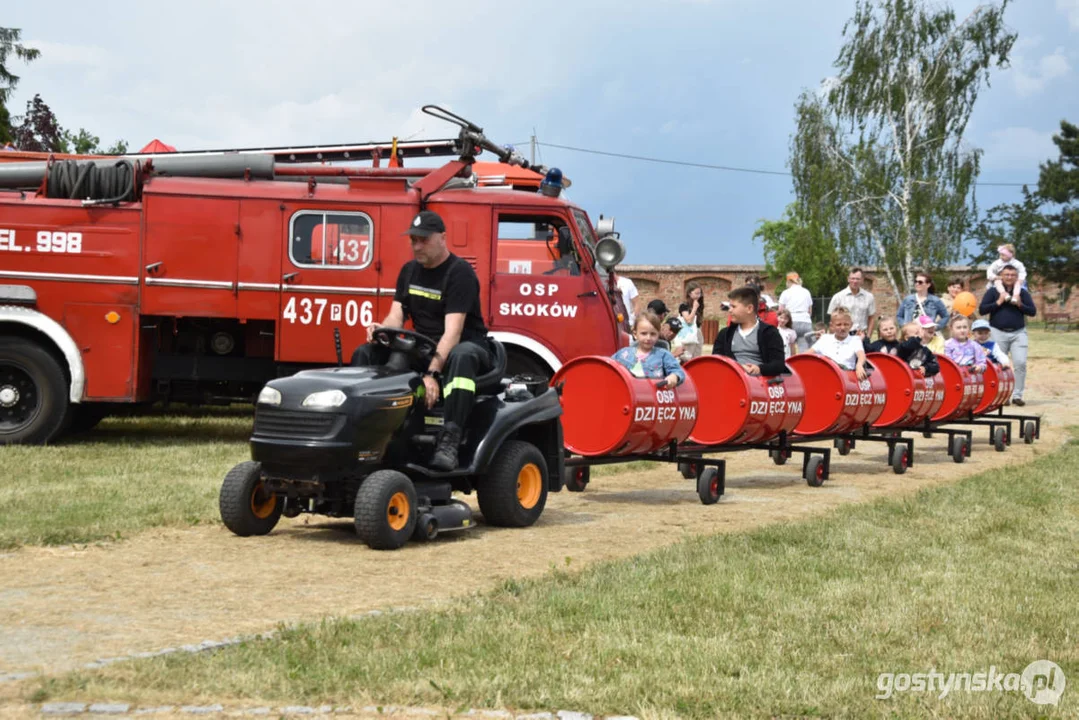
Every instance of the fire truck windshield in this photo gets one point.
(588, 234)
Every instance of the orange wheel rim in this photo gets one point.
(262, 502)
(529, 486)
(397, 511)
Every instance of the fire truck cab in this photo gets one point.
(207, 274)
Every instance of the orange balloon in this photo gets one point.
(965, 303)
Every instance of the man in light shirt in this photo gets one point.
(799, 303)
(841, 346)
(629, 296)
(858, 302)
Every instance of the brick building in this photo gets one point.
(668, 283)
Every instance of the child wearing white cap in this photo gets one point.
(981, 331)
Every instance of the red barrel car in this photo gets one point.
(606, 410)
(736, 408)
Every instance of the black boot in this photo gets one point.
(445, 455)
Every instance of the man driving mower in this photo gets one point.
(440, 292)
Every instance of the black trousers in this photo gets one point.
(467, 360)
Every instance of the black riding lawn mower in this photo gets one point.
(354, 442)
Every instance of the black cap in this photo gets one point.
(425, 223)
(658, 307)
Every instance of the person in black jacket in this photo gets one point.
(755, 345)
(1008, 324)
(913, 352)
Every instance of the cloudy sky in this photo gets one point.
(706, 81)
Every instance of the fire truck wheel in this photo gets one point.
(517, 363)
(514, 490)
(33, 393)
(385, 510)
(247, 508)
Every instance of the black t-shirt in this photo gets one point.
(428, 295)
(890, 347)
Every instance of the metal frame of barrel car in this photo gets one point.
(611, 416)
(753, 412)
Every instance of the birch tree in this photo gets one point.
(879, 157)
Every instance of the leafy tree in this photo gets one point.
(39, 130)
(85, 143)
(791, 243)
(1056, 252)
(1044, 227)
(9, 43)
(878, 158)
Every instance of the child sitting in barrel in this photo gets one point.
(842, 347)
(646, 360)
(930, 337)
(961, 349)
(914, 352)
(887, 338)
(980, 330)
(755, 345)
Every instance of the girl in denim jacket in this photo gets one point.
(645, 359)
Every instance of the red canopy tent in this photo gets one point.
(156, 146)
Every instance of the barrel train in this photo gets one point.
(611, 416)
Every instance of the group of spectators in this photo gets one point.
(759, 327)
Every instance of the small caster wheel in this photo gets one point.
(779, 457)
(709, 486)
(899, 459)
(576, 478)
(814, 472)
(843, 445)
(1028, 432)
(688, 470)
(1000, 439)
(959, 449)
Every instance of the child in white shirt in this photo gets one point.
(1007, 257)
(842, 347)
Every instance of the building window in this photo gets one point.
(331, 239)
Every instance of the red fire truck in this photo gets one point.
(197, 277)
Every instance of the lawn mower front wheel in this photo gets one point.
(385, 510)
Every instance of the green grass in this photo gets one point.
(127, 475)
(1057, 345)
(793, 620)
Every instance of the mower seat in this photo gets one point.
(490, 383)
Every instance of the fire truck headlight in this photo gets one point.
(325, 399)
(270, 396)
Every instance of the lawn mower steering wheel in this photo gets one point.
(417, 347)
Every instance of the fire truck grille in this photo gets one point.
(289, 423)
